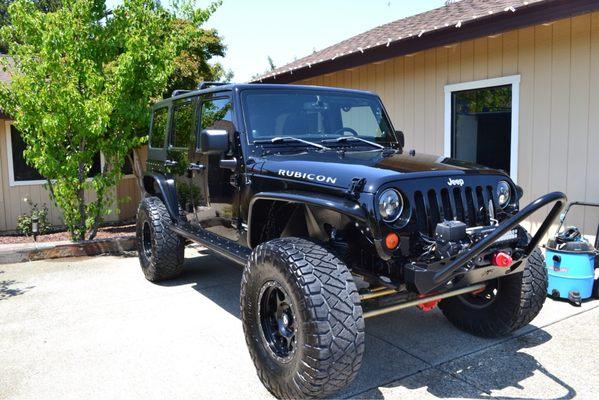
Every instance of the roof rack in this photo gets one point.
(205, 85)
(177, 92)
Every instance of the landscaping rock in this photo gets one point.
(16, 253)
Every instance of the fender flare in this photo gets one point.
(342, 205)
(157, 184)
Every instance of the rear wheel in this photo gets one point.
(302, 319)
(161, 251)
(505, 305)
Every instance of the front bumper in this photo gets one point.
(460, 270)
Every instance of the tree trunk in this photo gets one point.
(100, 199)
(81, 196)
(94, 230)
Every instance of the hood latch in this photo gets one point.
(355, 187)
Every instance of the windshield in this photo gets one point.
(315, 115)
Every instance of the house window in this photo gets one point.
(19, 172)
(481, 122)
(127, 168)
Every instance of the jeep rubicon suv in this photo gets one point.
(309, 189)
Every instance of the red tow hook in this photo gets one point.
(428, 306)
(501, 259)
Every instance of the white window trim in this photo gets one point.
(513, 80)
(34, 182)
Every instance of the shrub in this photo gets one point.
(24, 220)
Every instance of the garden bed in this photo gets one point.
(105, 232)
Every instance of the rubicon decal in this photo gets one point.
(307, 176)
(455, 182)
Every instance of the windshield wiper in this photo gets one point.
(352, 138)
(283, 139)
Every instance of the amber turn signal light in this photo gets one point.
(392, 240)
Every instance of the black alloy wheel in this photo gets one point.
(147, 240)
(277, 320)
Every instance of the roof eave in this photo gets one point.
(524, 16)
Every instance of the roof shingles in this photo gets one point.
(451, 16)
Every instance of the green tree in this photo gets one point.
(42, 5)
(192, 65)
(271, 63)
(82, 80)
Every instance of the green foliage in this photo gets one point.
(484, 100)
(42, 5)
(24, 220)
(189, 195)
(82, 81)
(271, 67)
(191, 65)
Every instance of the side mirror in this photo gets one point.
(213, 141)
(400, 138)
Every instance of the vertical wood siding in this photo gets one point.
(12, 202)
(558, 145)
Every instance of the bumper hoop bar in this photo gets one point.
(426, 280)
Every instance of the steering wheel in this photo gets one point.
(346, 129)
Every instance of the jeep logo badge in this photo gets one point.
(455, 182)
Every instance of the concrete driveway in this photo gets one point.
(95, 328)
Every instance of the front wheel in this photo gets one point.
(505, 305)
(302, 319)
(161, 251)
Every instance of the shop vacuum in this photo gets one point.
(572, 262)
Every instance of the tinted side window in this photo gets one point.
(159, 120)
(182, 128)
(217, 114)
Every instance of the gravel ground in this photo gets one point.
(103, 233)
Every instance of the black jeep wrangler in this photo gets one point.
(310, 190)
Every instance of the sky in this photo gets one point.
(285, 30)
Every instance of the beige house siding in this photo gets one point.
(12, 202)
(558, 64)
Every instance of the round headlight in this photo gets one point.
(390, 205)
(504, 193)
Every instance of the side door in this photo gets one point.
(218, 208)
(181, 143)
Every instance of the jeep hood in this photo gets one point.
(338, 169)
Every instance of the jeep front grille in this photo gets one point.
(467, 204)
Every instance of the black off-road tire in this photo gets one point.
(329, 330)
(518, 300)
(161, 251)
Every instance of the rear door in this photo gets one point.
(157, 142)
